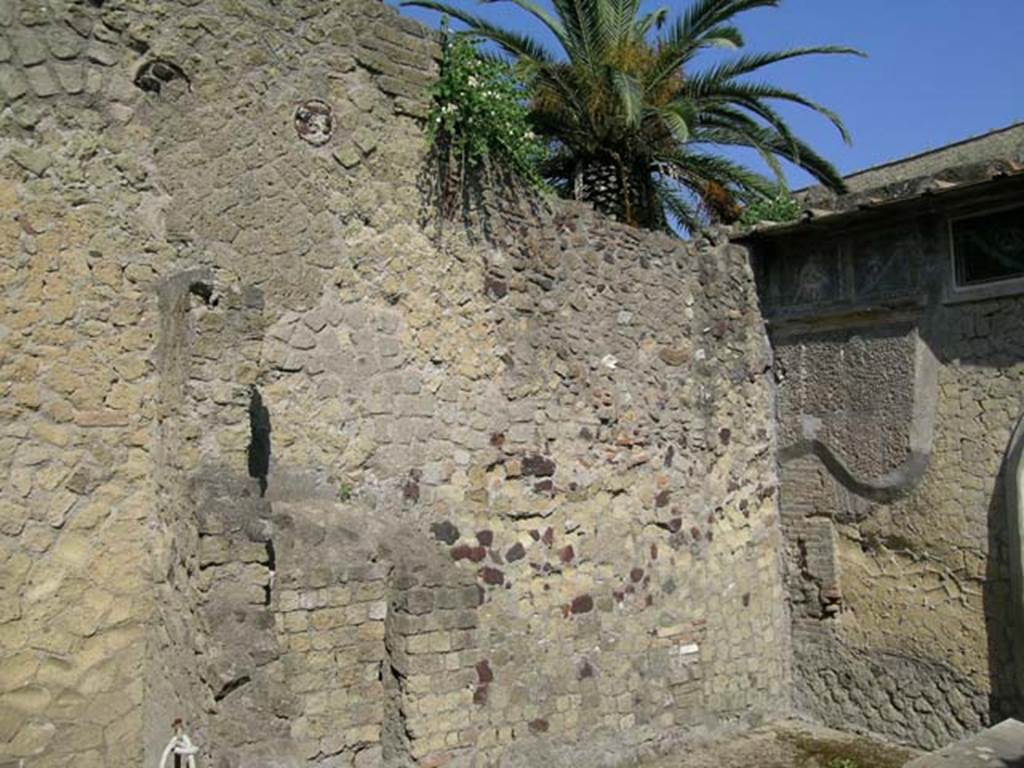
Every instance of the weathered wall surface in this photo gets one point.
(78, 395)
(896, 406)
(334, 485)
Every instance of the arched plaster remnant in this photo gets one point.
(1014, 479)
(156, 73)
(903, 478)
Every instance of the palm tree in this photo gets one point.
(634, 126)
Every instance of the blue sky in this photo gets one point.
(938, 70)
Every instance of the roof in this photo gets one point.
(949, 172)
(1001, 143)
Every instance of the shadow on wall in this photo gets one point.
(995, 599)
(258, 452)
(1001, 595)
(455, 193)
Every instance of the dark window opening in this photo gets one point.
(989, 248)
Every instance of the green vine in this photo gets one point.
(479, 111)
(782, 208)
(345, 491)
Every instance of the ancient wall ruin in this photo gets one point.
(336, 482)
(898, 395)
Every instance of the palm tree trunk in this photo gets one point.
(617, 191)
(600, 182)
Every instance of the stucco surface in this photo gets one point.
(895, 419)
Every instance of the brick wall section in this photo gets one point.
(333, 636)
(439, 675)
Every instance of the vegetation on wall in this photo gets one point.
(479, 112)
(635, 126)
(781, 209)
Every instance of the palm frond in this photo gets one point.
(582, 27)
(678, 117)
(513, 43)
(538, 12)
(732, 135)
(696, 169)
(630, 96)
(653, 20)
(754, 92)
(673, 54)
(753, 61)
(702, 15)
(679, 210)
(787, 147)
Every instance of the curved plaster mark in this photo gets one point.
(1013, 477)
(881, 490)
(904, 478)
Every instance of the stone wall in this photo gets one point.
(896, 402)
(79, 391)
(334, 481)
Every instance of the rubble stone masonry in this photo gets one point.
(334, 481)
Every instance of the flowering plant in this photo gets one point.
(782, 208)
(479, 111)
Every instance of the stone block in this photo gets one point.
(369, 757)
(28, 48)
(63, 43)
(101, 53)
(71, 76)
(12, 83)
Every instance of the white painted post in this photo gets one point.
(180, 744)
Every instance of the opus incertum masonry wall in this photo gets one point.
(336, 484)
(340, 483)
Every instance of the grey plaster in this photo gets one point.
(903, 478)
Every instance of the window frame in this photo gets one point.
(1005, 286)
